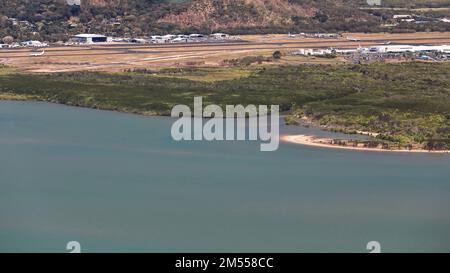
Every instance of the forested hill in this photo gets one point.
(54, 20)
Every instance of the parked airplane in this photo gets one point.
(353, 39)
(37, 54)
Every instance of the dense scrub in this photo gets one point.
(406, 103)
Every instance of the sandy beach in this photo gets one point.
(326, 143)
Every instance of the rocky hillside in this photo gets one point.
(240, 14)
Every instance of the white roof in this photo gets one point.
(391, 48)
(402, 16)
(31, 41)
(90, 36)
(73, 2)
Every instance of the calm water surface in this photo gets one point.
(118, 182)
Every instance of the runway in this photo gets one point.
(118, 56)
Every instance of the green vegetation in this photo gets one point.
(54, 20)
(406, 103)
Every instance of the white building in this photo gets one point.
(73, 2)
(382, 49)
(392, 49)
(89, 38)
(33, 44)
(181, 40)
(402, 16)
(440, 49)
(156, 39)
(374, 2)
(345, 51)
(138, 41)
(169, 37)
(196, 36)
(409, 49)
(314, 52)
(220, 36)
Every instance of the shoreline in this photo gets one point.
(313, 141)
(20, 98)
(305, 140)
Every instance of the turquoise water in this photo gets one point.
(118, 182)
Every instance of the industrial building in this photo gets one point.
(382, 49)
(409, 48)
(220, 36)
(182, 38)
(33, 44)
(89, 38)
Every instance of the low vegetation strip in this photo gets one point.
(405, 103)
